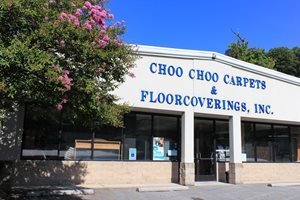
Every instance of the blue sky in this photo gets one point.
(206, 25)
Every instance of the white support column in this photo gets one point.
(235, 165)
(187, 137)
(187, 167)
(235, 139)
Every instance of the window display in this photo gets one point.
(51, 135)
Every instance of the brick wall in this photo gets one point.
(265, 172)
(87, 173)
(222, 169)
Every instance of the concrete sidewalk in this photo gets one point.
(47, 192)
(212, 192)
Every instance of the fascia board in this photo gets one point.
(209, 55)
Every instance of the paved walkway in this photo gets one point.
(218, 192)
(210, 192)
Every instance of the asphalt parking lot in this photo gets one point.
(224, 192)
(216, 192)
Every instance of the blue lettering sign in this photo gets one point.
(202, 102)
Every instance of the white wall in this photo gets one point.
(281, 96)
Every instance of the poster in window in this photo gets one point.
(132, 153)
(158, 148)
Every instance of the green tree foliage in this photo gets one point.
(64, 54)
(286, 60)
(281, 59)
(241, 51)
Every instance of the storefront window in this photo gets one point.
(222, 140)
(41, 128)
(281, 143)
(270, 142)
(165, 144)
(295, 143)
(51, 135)
(75, 142)
(264, 140)
(248, 141)
(137, 140)
(108, 143)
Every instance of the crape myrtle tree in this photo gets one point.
(64, 54)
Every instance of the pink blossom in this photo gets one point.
(101, 23)
(76, 22)
(59, 107)
(67, 80)
(62, 43)
(55, 67)
(87, 4)
(68, 87)
(63, 16)
(73, 4)
(92, 22)
(97, 19)
(72, 17)
(60, 78)
(65, 71)
(102, 14)
(132, 75)
(93, 11)
(106, 38)
(119, 42)
(100, 69)
(97, 7)
(102, 43)
(64, 100)
(88, 26)
(78, 12)
(102, 32)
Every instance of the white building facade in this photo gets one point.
(210, 85)
(196, 116)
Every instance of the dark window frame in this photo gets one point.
(214, 120)
(123, 136)
(254, 142)
(178, 136)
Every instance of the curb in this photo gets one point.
(60, 192)
(284, 184)
(162, 188)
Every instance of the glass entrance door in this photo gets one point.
(205, 159)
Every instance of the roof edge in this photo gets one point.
(209, 55)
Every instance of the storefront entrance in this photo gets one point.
(211, 139)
